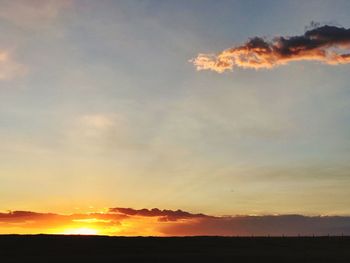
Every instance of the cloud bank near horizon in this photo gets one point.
(327, 44)
(156, 222)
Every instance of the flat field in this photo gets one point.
(62, 248)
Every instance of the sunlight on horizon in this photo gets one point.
(80, 231)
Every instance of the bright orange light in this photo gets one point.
(109, 224)
(80, 231)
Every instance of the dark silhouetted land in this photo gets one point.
(56, 248)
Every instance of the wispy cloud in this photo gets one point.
(97, 122)
(9, 68)
(327, 44)
(31, 14)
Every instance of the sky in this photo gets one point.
(107, 104)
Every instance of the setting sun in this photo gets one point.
(80, 231)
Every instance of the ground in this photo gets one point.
(58, 248)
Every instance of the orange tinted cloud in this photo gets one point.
(327, 44)
(28, 219)
(156, 222)
(117, 221)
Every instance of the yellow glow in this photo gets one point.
(91, 220)
(80, 231)
(83, 224)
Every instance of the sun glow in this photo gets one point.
(80, 231)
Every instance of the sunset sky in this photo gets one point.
(109, 109)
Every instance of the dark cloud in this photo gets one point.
(164, 215)
(327, 44)
(289, 225)
(29, 219)
(22, 216)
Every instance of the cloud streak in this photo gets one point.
(327, 44)
(32, 14)
(9, 68)
(163, 215)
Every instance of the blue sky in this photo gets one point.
(101, 106)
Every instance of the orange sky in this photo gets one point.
(115, 221)
(99, 105)
(156, 222)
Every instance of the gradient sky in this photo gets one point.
(100, 107)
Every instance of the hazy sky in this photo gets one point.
(100, 107)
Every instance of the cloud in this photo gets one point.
(102, 132)
(8, 67)
(274, 225)
(47, 222)
(97, 121)
(96, 125)
(32, 14)
(164, 215)
(327, 44)
(129, 221)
